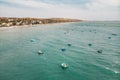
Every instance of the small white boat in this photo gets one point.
(40, 52)
(64, 65)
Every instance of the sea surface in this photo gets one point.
(91, 51)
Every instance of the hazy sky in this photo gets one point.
(81, 9)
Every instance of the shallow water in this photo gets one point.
(19, 59)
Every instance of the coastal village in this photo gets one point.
(8, 21)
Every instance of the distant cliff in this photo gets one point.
(8, 21)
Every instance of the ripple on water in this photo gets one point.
(19, 58)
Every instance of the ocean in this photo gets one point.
(91, 51)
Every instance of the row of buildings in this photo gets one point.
(6, 22)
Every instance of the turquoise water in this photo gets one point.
(19, 59)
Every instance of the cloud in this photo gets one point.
(109, 2)
(103, 4)
(91, 10)
(30, 3)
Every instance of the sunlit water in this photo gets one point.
(19, 59)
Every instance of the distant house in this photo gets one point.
(9, 24)
(10, 20)
(40, 22)
(3, 24)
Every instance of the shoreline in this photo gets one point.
(23, 26)
(13, 22)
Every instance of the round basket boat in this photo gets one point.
(64, 65)
(32, 40)
(40, 52)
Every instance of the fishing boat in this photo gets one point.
(40, 52)
(64, 65)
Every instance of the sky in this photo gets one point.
(78, 9)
